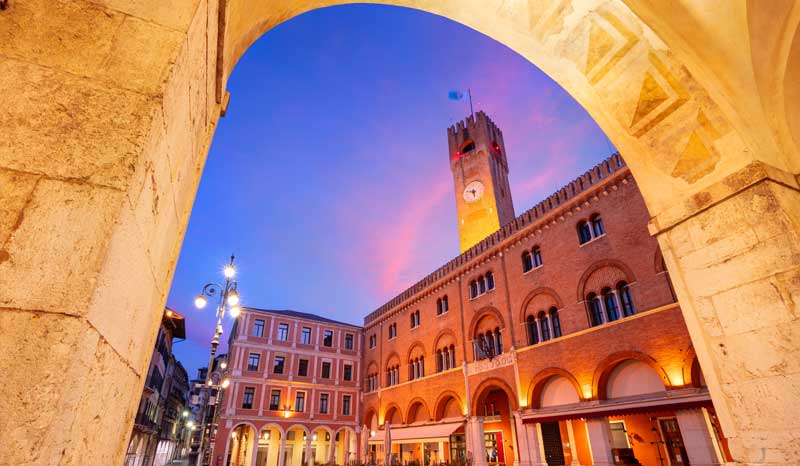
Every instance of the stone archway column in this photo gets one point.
(476, 442)
(573, 449)
(733, 254)
(599, 432)
(530, 448)
(282, 450)
(309, 459)
(697, 437)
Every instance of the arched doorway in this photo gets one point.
(490, 437)
(241, 445)
(707, 126)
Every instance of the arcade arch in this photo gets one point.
(706, 125)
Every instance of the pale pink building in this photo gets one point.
(294, 388)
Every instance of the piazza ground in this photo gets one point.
(109, 108)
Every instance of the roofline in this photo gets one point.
(319, 320)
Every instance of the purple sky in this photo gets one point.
(329, 176)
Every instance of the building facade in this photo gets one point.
(293, 393)
(160, 431)
(556, 339)
(204, 399)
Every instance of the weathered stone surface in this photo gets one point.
(174, 14)
(54, 253)
(63, 126)
(86, 39)
(127, 301)
(15, 191)
(80, 397)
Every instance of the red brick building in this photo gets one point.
(293, 397)
(556, 339)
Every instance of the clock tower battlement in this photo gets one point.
(480, 178)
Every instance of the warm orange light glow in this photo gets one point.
(225, 383)
(587, 392)
(676, 377)
(169, 313)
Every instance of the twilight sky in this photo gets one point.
(329, 177)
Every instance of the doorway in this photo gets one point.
(551, 440)
(673, 442)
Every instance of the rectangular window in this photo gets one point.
(373, 341)
(348, 341)
(323, 403)
(275, 400)
(346, 405)
(300, 402)
(305, 336)
(327, 338)
(277, 366)
(247, 401)
(283, 332)
(302, 368)
(258, 328)
(252, 361)
(348, 372)
(326, 370)
(619, 435)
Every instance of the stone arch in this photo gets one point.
(417, 345)
(684, 149)
(607, 271)
(607, 366)
(481, 314)
(391, 358)
(298, 426)
(697, 379)
(441, 404)
(369, 414)
(372, 367)
(533, 298)
(272, 425)
(540, 380)
(229, 436)
(479, 394)
(441, 335)
(389, 410)
(412, 412)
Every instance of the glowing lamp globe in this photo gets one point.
(200, 302)
(233, 299)
(229, 271)
(226, 383)
(235, 311)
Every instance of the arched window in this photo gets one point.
(597, 226)
(489, 281)
(533, 332)
(413, 320)
(439, 306)
(439, 365)
(544, 325)
(473, 289)
(555, 322)
(612, 309)
(584, 232)
(595, 309)
(498, 341)
(445, 304)
(452, 354)
(481, 285)
(537, 256)
(624, 293)
(527, 261)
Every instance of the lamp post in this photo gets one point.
(228, 302)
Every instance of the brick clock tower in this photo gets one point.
(480, 178)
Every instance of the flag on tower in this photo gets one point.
(455, 95)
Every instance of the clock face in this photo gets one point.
(473, 192)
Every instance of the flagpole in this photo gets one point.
(471, 112)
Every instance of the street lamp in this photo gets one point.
(227, 296)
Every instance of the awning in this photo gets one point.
(420, 433)
(678, 399)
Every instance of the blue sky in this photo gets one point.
(329, 177)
